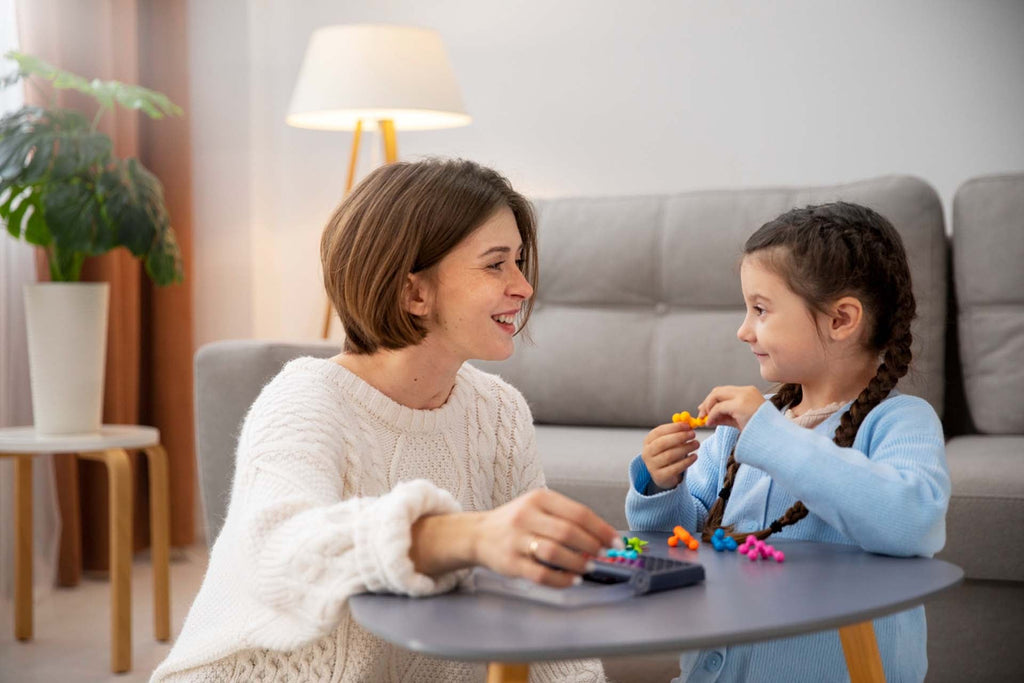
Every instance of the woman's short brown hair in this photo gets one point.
(404, 218)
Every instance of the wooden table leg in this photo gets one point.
(119, 471)
(160, 540)
(861, 650)
(498, 672)
(23, 547)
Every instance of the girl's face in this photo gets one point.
(782, 331)
(476, 292)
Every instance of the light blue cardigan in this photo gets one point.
(887, 494)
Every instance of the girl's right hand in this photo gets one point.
(668, 451)
(538, 531)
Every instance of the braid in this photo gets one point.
(823, 253)
(717, 511)
(895, 364)
(788, 394)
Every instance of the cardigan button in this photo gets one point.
(713, 662)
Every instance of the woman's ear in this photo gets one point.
(416, 296)
(846, 319)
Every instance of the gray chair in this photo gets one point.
(229, 375)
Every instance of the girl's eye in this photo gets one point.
(758, 310)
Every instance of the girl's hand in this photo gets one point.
(668, 451)
(539, 532)
(731, 406)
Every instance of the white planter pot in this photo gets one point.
(67, 353)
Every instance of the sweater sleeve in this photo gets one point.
(688, 503)
(889, 493)
(306, 549)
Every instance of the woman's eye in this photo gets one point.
(520, 262)
(496, 266)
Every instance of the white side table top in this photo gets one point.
(25, 439)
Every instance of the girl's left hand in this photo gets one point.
(731, 406)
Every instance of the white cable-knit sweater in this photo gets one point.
(330, 475)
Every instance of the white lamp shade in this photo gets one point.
(373, 72)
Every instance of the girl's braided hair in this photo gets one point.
(823, 253)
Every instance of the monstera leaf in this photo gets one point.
(61, 187)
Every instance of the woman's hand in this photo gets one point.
(731, 406)
(668, 451)
(527, 537)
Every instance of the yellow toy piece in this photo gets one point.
(689, 420)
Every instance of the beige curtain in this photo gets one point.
(149, 348)
(17, 269)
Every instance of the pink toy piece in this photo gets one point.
(766, 551)
(751, 540)
(780, 556)
(752, 555)
(742, 549)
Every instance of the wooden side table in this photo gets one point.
(107, 446)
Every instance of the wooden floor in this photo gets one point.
(72, 627)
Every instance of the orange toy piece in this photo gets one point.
(681, 535)
(689, 419)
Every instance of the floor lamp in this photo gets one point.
(360, 77)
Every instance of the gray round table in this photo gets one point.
(819, 586)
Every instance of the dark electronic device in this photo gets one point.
(646, 573)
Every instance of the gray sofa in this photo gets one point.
(635, 319)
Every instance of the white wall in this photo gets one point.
(588, 97)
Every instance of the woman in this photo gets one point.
(394, 466)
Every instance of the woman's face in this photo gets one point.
(476, 292)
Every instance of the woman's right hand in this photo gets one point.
(538, 531)
(668, 451)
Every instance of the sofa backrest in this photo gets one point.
(988, 274)
(639, 298)
(229, 375)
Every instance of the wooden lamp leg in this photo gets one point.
(349, 181)
(389, 139)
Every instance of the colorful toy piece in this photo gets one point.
(756, 549)
(681, 535)
(621, 555)
(689, 420)
(634, 544)
(721, 542)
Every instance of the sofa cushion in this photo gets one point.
(988, 253)
(591, 464)
(639, 298)
(986, 511)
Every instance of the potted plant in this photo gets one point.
(63, 189)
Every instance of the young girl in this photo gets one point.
(836, 454)
(393, 466)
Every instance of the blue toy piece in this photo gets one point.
(721, 542)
